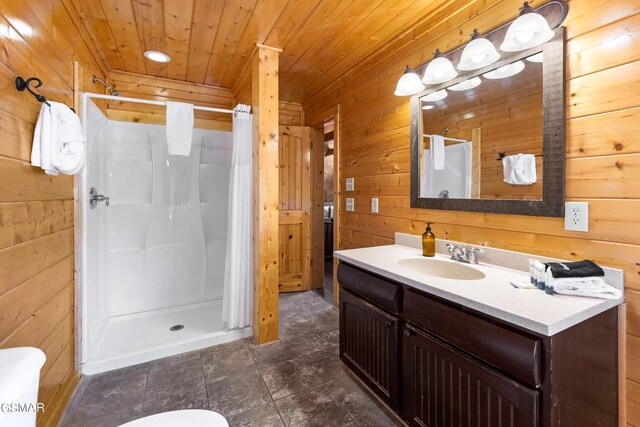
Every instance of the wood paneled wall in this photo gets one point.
(156, 88)
(41, 39)
(603, 147)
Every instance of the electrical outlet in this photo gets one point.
(374, 205)
(350, 204)
(350, 184)
(576, 216)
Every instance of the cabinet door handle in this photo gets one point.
(389, 323)
(408, 333)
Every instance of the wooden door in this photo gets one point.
(444, 387)
(369, 344)
(298, 212)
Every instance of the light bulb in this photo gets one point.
(439, 70)
(529, 30)
(477, 59)
(525, 37)
(409, 84)
(479, 53)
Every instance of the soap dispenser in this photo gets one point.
(428, 242)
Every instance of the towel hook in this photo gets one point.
(22, 84)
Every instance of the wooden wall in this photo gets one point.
(156, 88)
(506, 120)
(603, 146)
(36, 211)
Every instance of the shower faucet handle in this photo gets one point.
(94, 198)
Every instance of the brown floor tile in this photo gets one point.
(312, 407)
(289, 377)
(238, 393)
(263, 416)
(366, 410)
(176, 383)
(275, 352)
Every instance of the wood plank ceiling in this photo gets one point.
(211, 41)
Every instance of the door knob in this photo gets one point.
(389, 323)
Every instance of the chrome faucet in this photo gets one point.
(465, 254)
(94, 198)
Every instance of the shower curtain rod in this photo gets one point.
(147, 101)
(447, 139)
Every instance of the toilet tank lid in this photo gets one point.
(18, 367)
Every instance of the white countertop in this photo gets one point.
(532, 309)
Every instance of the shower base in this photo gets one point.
(141, 337)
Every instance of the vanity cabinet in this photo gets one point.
(444, 387)
(437, 363)
(369, 344)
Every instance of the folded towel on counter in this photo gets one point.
(593, 287)
(179, 128)
(58, 141)
(437, 151)
(519, 169)
(584, 268)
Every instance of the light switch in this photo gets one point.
(350, 204)
(374, 205)
(349, 184)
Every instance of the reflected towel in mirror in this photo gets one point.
(520, 169)
(437, 151)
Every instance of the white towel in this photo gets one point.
(179, 128)
(594, 287)
(437, 151)
(519, 169)
(58, 140)
(68, 147)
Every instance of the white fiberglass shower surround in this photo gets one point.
(152, 259)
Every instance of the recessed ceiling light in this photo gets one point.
(157, 56)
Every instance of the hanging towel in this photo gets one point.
(594, 287)
(586, 268)
(179, 128)
(58, 140)
(68, 147)
(437, 151)
(519, 169)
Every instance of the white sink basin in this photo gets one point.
(440, 268)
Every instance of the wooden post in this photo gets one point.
(264, 107)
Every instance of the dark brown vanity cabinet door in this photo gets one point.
(369, 344)
(443, 387)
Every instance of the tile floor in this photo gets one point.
(297, 381)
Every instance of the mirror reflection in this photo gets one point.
(482, 138)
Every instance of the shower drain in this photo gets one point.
(176, 328)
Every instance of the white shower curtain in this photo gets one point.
(237, 276)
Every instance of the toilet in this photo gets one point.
(186, 417)
(19, 379)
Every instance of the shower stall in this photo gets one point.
(153, 243)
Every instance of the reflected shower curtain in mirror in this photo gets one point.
(237, 277)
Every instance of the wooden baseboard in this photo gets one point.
(53, 412)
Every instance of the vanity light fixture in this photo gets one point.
(409, 84)
(436, 96)
(466, 85)
(505, 71)
(529, 30)
(479, 53)
(156, 56)
(439, 70)
(538, 57)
